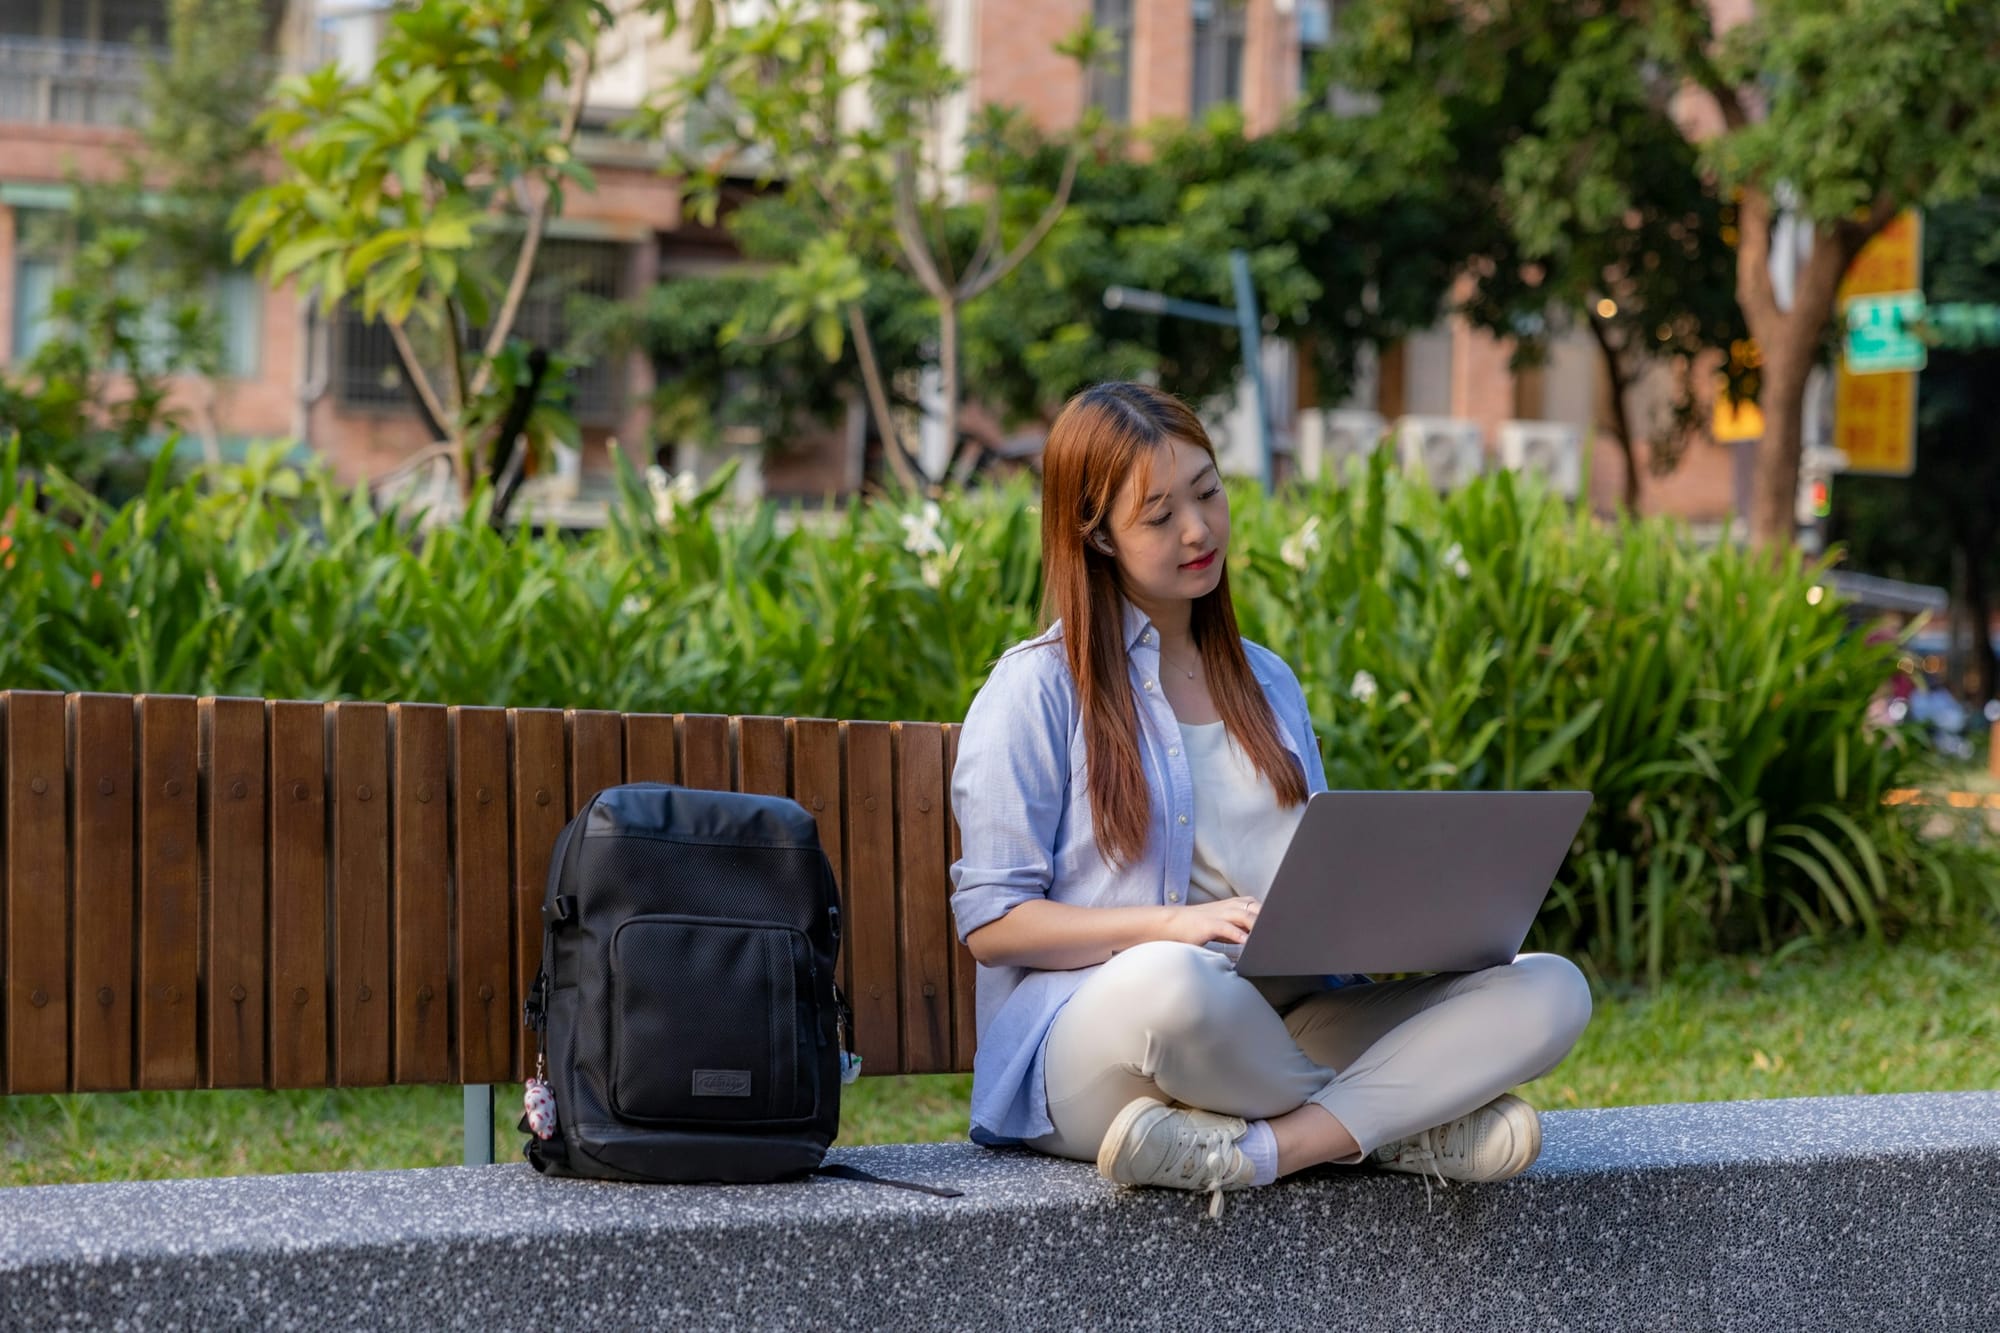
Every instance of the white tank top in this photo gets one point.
(1240, 830)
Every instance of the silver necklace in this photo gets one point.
(1176, 665)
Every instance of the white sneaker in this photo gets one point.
(1500, 1139)
(1152, 1143)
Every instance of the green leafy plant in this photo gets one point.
(1488, 639)
(423, 195)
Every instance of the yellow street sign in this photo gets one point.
(1875, 416)
(1875, 422)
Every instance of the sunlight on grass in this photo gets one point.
(1917, 1016)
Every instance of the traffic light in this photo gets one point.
(1814, 499)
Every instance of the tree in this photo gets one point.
(1349, 246)
(95, 389)
(1939, 521)
(1850, 112)
(1604, 221)
(710, 380)
(424, 195)
(858, 146)
(135, 312)
(1344, 250)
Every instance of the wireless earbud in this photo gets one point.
(1101, 542)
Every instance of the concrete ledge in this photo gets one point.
(1821, 1213)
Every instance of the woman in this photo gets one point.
(1126, 785)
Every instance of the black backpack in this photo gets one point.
(687, 1016)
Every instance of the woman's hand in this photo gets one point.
(1227, 919)
(1057, 936)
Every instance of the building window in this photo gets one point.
(1111, 77)
(34, 288)
(367, 375)
(115, 21)
(1218, 54)
(40, 261)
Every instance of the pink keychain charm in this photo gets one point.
(539, 1105)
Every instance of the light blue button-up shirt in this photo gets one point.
(1022, 803)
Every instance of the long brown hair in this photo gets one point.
(1103, 435)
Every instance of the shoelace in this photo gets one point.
(1205, 1165)
(1216, 1163)
(1432, 1144)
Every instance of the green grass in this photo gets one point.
(1829, 1019)
(1921, 1015)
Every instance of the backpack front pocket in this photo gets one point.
(709, 1021)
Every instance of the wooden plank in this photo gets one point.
(871, 894)
(764, 755)
(964, 971)
(37, 893)
(705, 751)
(816, 786)
(298, 1024)
(234, 799)
(649, 747)
(539, 814)
(421, 894)
(486, 1017)
(596, 754)
(923, 936)
(103, 902)
(361, 999)
(169, 891)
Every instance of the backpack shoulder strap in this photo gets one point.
(842, 1171)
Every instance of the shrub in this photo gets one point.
(1485, 640)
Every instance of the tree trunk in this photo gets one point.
(1774, 482)
(510, 464)
(878, 400)
(1621, 417)
(1787, 343)
(947, 388)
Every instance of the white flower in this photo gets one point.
(635, 605)
(1301, 545)
(1362, 687)
(920, 531)
(1454, 560)
(669, 493)
(936, 565)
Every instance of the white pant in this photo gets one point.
(1386, 1059)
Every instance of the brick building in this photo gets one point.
(71, 72)
(1179, 57)
(69, 80)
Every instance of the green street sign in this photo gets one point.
(1962, 325)
(1881, 333)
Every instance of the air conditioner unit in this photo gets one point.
(1551, 449)
(1451, 451)
(1327, 440)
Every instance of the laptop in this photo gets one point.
(1411, 881)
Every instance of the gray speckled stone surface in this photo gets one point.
(1824, 1213)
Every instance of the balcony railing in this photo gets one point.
(49, 82)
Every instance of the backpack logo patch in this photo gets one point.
(722, 1083)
